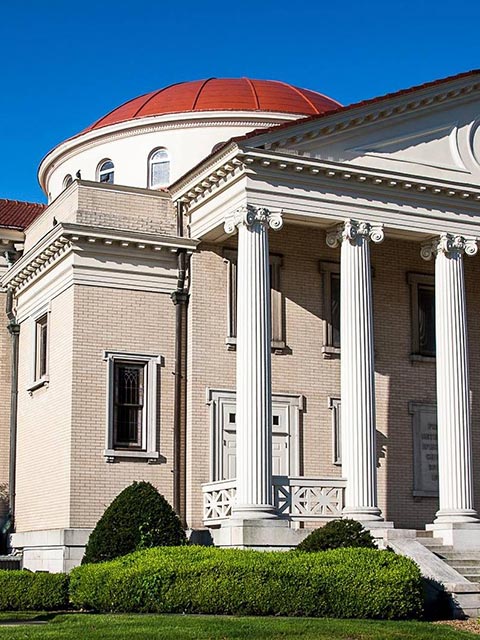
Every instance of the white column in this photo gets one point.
(357, 368)
(254, 498)
(453, 384)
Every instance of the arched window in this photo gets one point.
(105, 171)
(159, 169)
(67, 181)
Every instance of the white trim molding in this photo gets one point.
(150, 421)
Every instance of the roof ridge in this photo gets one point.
(204, 82)
(254, 91)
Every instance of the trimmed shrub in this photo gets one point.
(338, 534)
(343, 583)
(26, 591)
(138, 518)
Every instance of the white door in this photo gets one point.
(229, 441)
(280, 440)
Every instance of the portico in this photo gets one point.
(355, 205)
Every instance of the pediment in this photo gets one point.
(440, 142)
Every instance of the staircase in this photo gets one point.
(467, 563)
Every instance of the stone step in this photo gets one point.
(431, 542)
(420, 533)
(458, 556)
(463, 565)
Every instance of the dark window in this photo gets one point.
(426, 320)
(422, 295)
(41, 347)
(276, 301)
(128, 404)
(335, 308)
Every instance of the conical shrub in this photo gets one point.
(138, 518)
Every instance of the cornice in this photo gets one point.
(67, 236)
(357, 116)
(313, 168)
(91, 139)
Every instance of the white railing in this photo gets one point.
(296, 498)
(218, 499)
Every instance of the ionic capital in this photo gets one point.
(250, 215)
(354, 231)
(450, 245)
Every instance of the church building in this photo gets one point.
(262, 302)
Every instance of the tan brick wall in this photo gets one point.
(44, 419)
(5, 363)
(127, 321)
(304, 370)
(114, 207)
(110, 206)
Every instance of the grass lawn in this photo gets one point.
(177, 627)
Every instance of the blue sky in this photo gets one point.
(65, 64)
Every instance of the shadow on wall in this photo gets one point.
(4, 525)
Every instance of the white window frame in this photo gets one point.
(101, 172)
(216, 398)
(149, 444)
(150, 166)
(39, 381)
(67, 181)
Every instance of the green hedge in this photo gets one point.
(342, 583)
(24, 591)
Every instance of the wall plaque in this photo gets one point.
(425, 449)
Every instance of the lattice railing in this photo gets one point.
(298, 498)
(218, 499)
(309, 498)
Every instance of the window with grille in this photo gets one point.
(159, 169)
(106, 172)
(128, 404)
(133, 420)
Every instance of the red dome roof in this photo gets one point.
(217, 94)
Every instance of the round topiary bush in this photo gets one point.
(336, 534)
(138, 518)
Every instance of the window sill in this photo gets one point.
(417, 357)
(278, 346)
(149, 456)
(330, 352)
(43, 382)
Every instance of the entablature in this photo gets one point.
(66, 238)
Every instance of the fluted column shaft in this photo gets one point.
(357, 369)
(453, 384)
(254, 497)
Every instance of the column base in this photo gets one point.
(271, 534)
(460, 535)
(456, 515)
(52, 550)
(257, 512)
(363, 514)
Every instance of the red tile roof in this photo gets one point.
(221, 94)
(19, 215)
